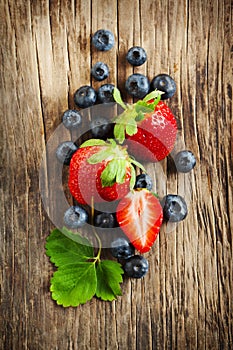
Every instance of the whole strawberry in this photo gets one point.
(148, 127)
(101, 171)
(140, 216)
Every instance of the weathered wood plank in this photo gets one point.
(185, 301)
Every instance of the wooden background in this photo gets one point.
(185, 301)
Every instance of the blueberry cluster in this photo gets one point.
(137, 85)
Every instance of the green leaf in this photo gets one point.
(133, 177)
(93, 142)
(117, 98)
(108, 175)
(99, 156)
(74, 284)
(153, 95)
(109, 276)
(131, 127)
(119, 132)
(121, 171)
(139, 165)
(68, 247)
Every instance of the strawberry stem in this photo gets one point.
(97, 257)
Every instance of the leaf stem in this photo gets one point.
(97, 258)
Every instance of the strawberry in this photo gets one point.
(148, 126)
(102, 171)
(140, 216)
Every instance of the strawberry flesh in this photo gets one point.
(140, 216)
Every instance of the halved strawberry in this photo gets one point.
(140, 216)
(102, 171)
(148, 127)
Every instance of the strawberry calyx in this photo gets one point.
(118, 162)
(126, 122)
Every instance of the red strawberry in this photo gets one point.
(140, 216)
(149, 128)
(100, 170)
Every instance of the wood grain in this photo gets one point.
(185, 301)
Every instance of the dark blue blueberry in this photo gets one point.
(143, 181)
(185, 161)
(137, 85)
(174, 208)
(105, 220)
(71, 119)
(136, 266)
(121, 248)
(136, 56)
(100, 127)
(85, 96)
(105, 93)
(75, 217)
(103, 40)
(165, 83)
(100, 71)
(65, 152)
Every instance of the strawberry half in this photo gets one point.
(148, 126)
(140, 216)
(102, 171)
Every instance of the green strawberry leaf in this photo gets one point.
(108, 175)
(93, 142)
(62, 248)
(118, 99)
(131, 127)
(99, 156)
(119, 132)
(153, 95)
(133, 177)
(74, 283)
(109, 276)
(121, 171)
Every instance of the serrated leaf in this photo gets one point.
(117, 98)
(119, 132)
(93, 142)
(66, 248)
(74, 284)
(109, 276)
(131, 127)
(108, 175)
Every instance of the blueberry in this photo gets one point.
(185, 161)
(100, 71)
(71, 119)
(121, 248)
(75, 217)
(136, 56)
(103, 40)
(165, 83)
(143, 181)
(136, 266)
(174, 208)
(105, 220)
(137, 85)
(100, 128)
(65, 152)
(85, 96)
(105, 93)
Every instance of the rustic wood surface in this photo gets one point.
(185, 301)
